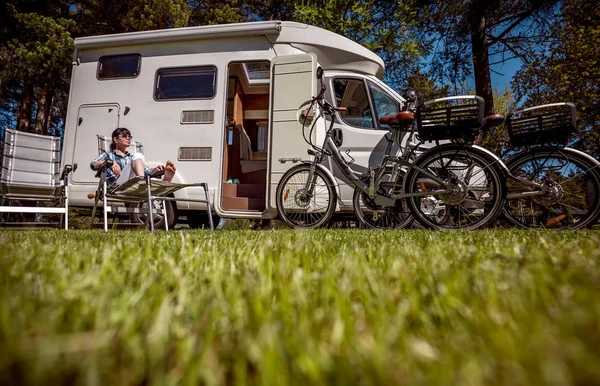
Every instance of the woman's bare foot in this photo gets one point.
(169, 171)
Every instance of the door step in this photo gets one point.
(243, 203)
(244, 190)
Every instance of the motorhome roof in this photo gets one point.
(334, 51)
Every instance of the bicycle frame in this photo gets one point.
(543, 188)
(330, 149)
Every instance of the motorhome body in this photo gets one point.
(222, 101)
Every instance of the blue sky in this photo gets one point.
(507, 69)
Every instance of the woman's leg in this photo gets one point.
(133, 169)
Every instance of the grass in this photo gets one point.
(492, 307)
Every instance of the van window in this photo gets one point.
(352, 94)
(119, 66)
(384, 105)
(185, 83)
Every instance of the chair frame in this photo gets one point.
(109, 196)
(36, 191)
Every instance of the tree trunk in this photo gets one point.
(481, 62)
(48, 114)
(24, 114)
(41, 110)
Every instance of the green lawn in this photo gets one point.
(299, 307)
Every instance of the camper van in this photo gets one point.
(222, 102)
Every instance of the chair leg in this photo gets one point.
(96, 200)
(105, 209)
(210, 218)
(66, 208)
(150, 206)
(164, 213)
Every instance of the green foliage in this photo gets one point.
(504, 102)
(425, 86)
(38, 56)
(216, 12)
(145, 15)
(43, 48)
(493, 307)
(569, 70)
(389, 28)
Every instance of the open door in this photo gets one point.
(293, 83)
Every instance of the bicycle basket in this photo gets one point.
(450, 118)
(552, 123)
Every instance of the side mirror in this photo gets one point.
(319, 72)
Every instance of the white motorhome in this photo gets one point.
(222, 102)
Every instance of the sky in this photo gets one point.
(507, 71)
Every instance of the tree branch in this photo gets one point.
(514, 24)
(515, 52)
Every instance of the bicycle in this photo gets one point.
(458, 175)
(549, 184)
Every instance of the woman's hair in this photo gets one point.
(119, 131)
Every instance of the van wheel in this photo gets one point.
(159, 220)
(199, 221)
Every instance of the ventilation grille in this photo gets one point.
(197, 116)
(195, 153)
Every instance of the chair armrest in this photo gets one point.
(107, 164)
(65, 173)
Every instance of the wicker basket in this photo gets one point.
(450, 118)
(545, 124)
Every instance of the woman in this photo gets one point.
(125, 165)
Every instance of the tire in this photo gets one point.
(382, 217)
(475, 198)
(159, 221)
(295, 208)
(573, 190)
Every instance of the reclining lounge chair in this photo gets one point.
(132, 195)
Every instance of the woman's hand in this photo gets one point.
(116, 169)
(159, 168)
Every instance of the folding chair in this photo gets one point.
(31, 172)
(139, 190)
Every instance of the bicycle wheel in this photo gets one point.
(571, 185)
(474, 195)
(382, 217)
(300, 208)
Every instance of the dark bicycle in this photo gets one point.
(451, 186)
(549, 185)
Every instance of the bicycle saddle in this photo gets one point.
(402, 118)
(491, 121)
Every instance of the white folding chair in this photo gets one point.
(31, 173)
(139, 190)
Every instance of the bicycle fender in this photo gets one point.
(493, 156)
(582, 154)
(568, 150)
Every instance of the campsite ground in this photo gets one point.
(489, 307)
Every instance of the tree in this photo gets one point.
(35, 67)
(99, 17)
(569, 70)
(388, 28)
(471, 31)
